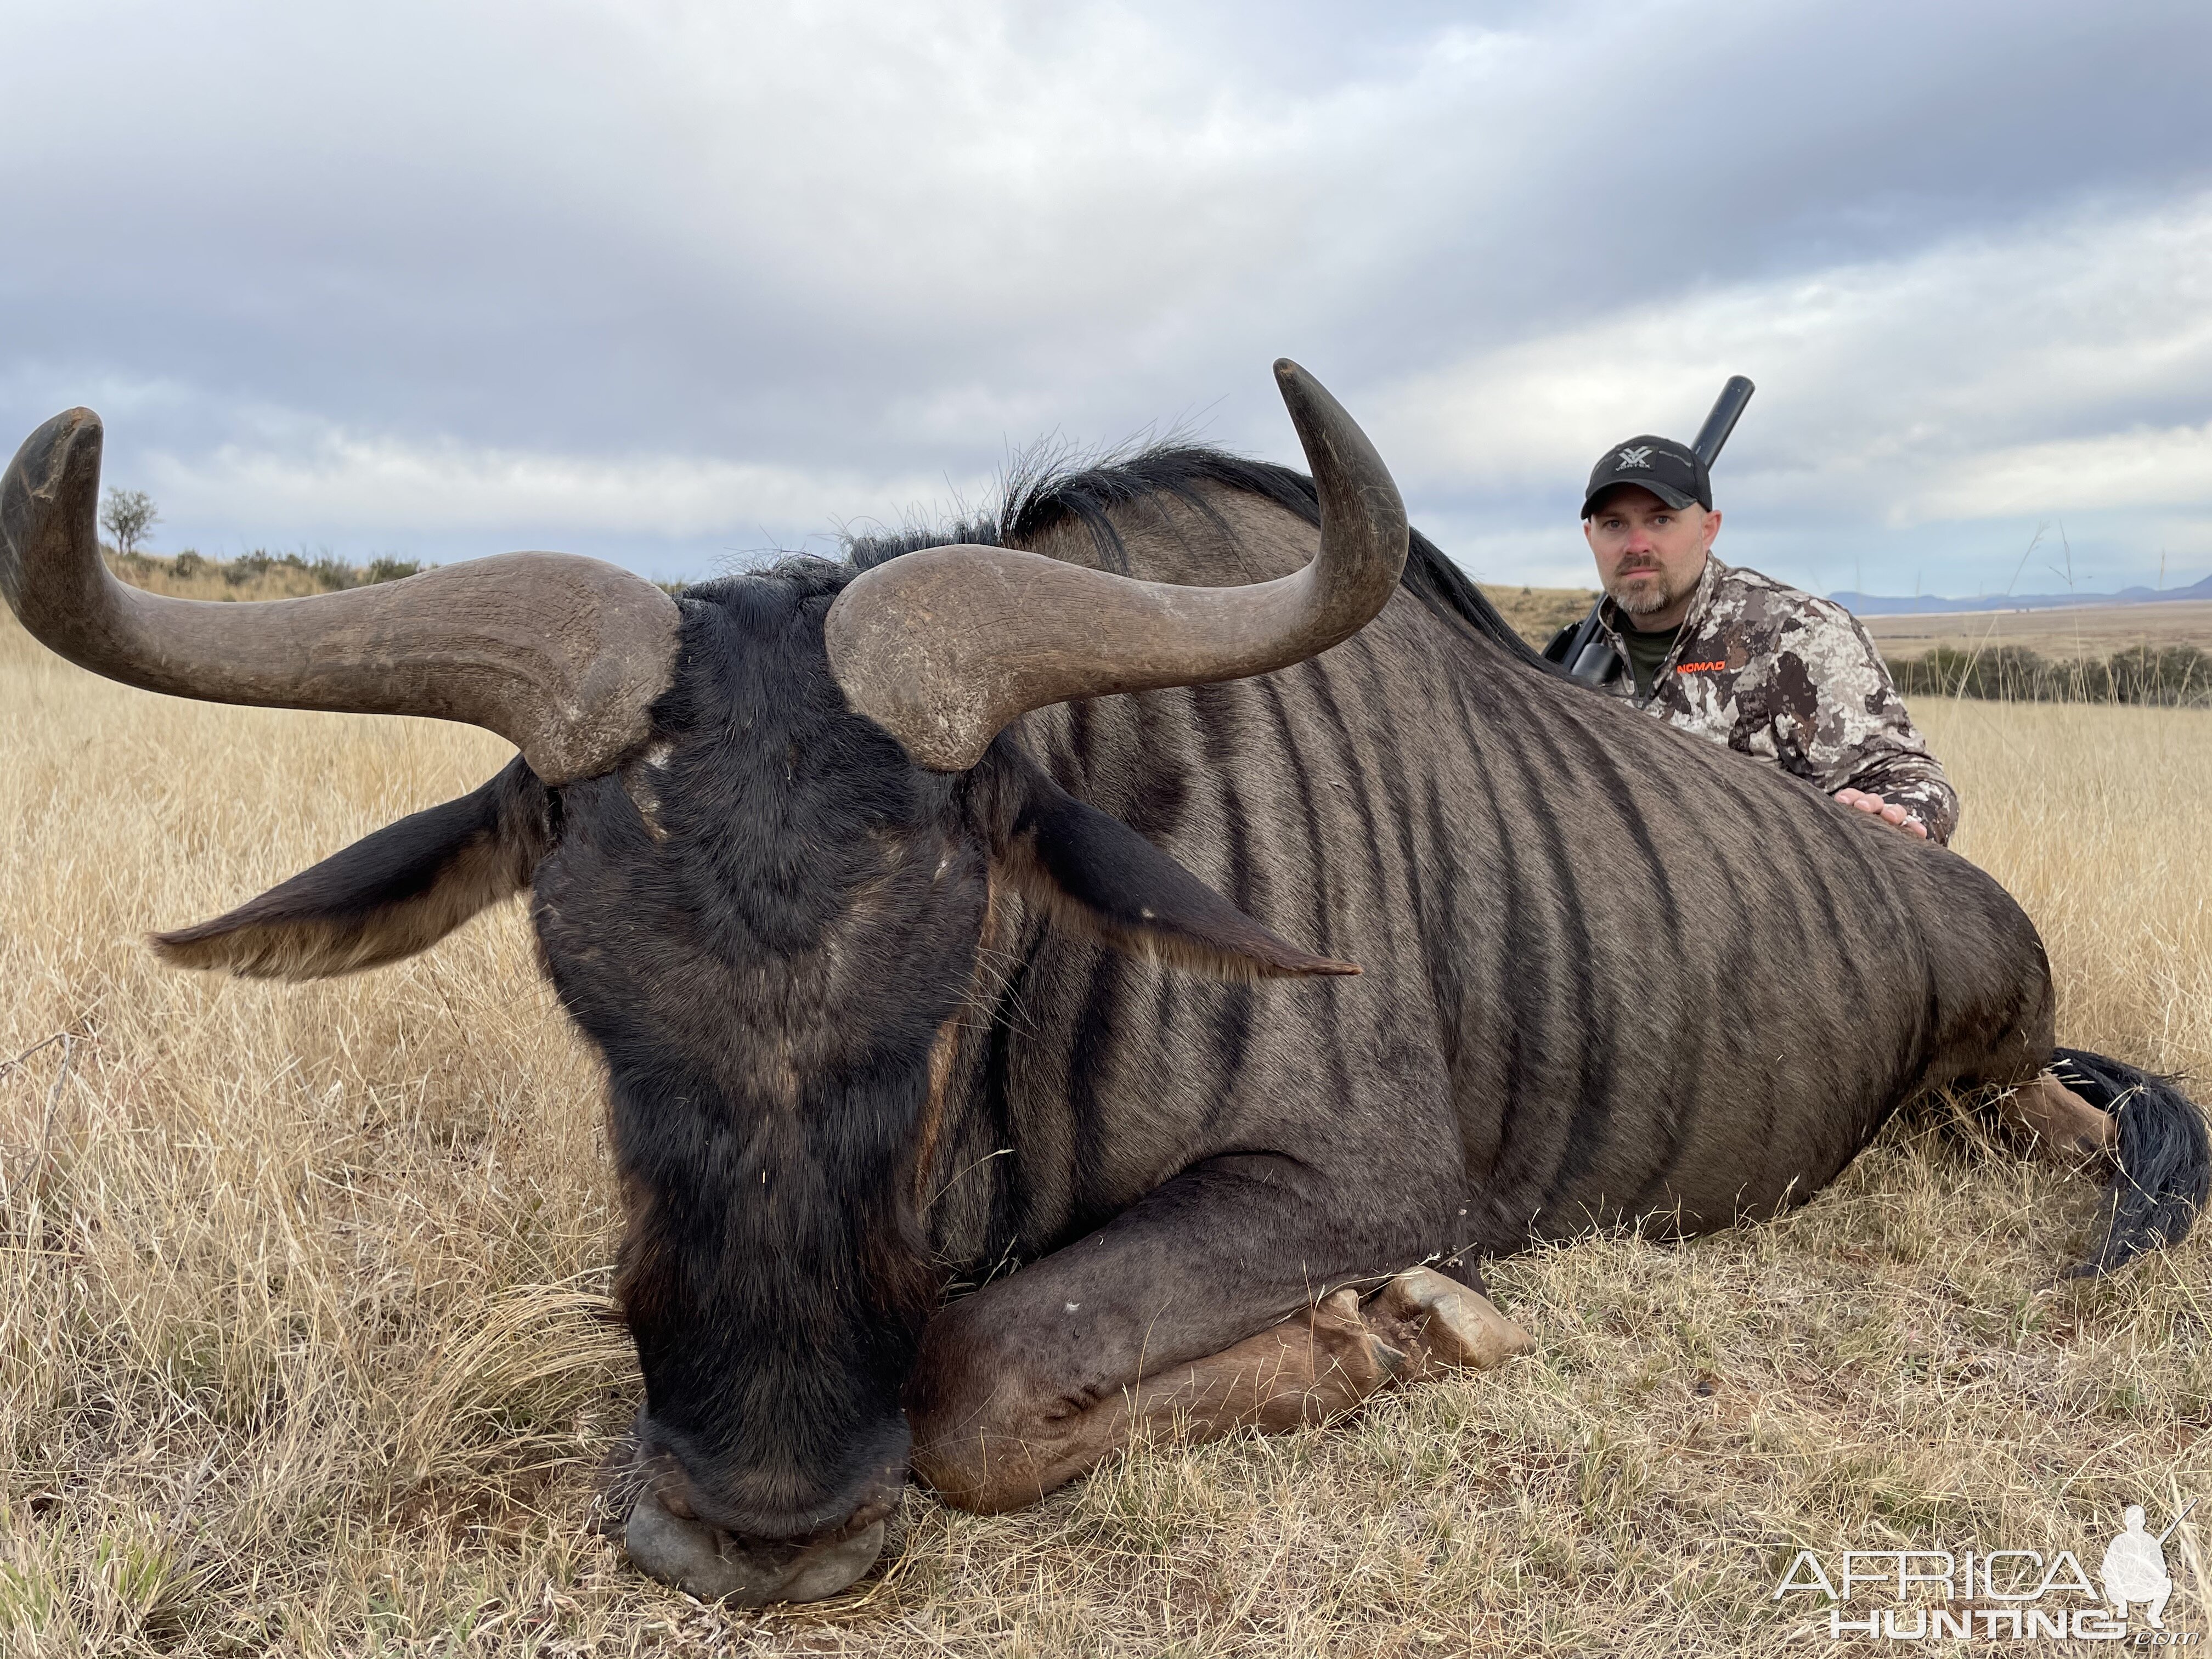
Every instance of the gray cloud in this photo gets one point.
(665, 282)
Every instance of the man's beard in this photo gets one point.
(1650, 592)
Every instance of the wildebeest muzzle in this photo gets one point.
(717, 1551)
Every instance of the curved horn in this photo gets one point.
(562, 656)
(944, 648)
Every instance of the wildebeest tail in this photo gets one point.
(2164, 1157)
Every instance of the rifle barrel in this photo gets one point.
(1728, 408)
(2177, 1520)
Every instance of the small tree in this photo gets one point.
(128, 514)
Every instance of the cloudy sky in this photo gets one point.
(676, 283)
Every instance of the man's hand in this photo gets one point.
(1888, 811)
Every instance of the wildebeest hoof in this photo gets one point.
(712, 1566)
(1444, 1323)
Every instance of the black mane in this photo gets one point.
(1045, 493)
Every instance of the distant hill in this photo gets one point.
(1875, 604)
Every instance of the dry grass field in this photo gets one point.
(2096, 631)
(251, 576)
(1537, 613)
(305, 1345)
(2092, 631)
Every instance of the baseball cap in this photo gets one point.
(1669, 471)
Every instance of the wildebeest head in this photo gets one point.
(765, 830)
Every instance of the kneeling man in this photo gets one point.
(1776, 674)
(1772, 672)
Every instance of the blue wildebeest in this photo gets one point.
(934, 913)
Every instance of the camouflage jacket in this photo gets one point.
(1786, 677)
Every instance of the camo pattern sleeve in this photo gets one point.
(1785, 677)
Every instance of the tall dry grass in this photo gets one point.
(303, 1334)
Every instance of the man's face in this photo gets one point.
(1650, 555)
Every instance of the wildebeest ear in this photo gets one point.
(388, 895)
(1091, 872)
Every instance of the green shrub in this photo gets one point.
(327, 571)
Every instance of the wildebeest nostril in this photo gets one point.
(678, 1504)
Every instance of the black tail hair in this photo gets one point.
(2164, 1159)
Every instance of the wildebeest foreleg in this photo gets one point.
(1013, 1447)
